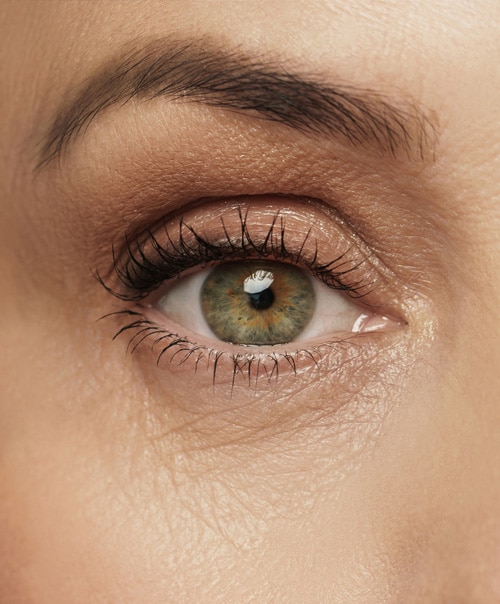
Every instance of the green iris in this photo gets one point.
(260, 303)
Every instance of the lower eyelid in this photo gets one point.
(188, 357)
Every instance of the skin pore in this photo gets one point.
(144, 460)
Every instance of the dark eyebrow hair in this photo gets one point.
(202, 72)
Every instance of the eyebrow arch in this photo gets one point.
(203, 72)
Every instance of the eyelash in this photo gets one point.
(139, 274)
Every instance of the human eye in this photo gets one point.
(248, 289)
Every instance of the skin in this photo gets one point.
(375, 478)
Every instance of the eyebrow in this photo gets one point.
(200, 71)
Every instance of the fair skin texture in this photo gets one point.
(371, 475)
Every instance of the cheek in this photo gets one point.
(72, 525)
(68, 529)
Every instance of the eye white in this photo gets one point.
(335, 312)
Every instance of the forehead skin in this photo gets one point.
(102, 499)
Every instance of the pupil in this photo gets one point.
(262, 300)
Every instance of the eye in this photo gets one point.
(239, 287)
(260, 304)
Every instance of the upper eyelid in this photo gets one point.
(139, 274)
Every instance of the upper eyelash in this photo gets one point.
(140, 275)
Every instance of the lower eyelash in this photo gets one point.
(252, 366)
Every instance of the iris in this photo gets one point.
(257, 303)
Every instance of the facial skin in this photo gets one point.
(367, 470)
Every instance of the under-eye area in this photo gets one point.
(247, 291)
